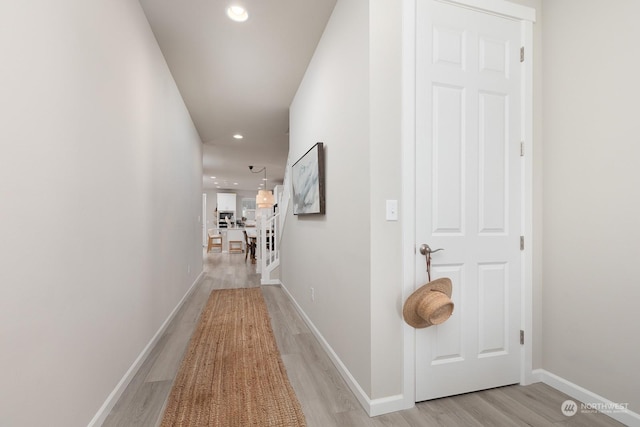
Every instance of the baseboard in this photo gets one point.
(386, 405)
(626, 417)
(373, 407)
(271, 282)
(108, 405)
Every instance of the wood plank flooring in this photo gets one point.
(325, 398)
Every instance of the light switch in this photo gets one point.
(392, 210)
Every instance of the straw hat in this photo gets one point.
(430, 304)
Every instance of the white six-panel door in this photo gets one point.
(468, 195)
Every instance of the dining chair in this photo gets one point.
(251, 247)
(214, 240)
(235, 246)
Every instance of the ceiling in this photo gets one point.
(239, 78)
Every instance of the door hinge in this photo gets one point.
(522, 54)
(521, 148)
(521, 337)
(522, 243)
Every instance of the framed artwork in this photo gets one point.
(307, 180)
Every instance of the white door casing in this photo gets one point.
(469, 195)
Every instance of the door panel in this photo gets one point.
(493, 173)
(448, 160)
(448, 346)
(492, 320)
(468, 195)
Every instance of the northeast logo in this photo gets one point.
(569, 408)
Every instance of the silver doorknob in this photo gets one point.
(426, 249)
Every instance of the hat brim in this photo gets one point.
(409, 311)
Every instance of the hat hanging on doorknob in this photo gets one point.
(430, 304)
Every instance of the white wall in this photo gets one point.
(385, 177)
(591, 204)
(100, 195)
(350, 99)
(331, 253)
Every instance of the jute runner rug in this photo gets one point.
(232, 373)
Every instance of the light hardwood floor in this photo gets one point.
(325, 398)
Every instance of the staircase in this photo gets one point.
(268, 246)
(270, 228)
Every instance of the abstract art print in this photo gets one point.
(307, 180)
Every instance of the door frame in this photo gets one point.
(526, 17)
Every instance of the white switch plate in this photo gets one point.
(392, 210)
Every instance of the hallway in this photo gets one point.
(324, 396)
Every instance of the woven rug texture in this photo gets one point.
(232, 373)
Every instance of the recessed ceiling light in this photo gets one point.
(264, 179)
(238, 136)
(213, 177)
(235, 183)
(216, 183)
(237, 13)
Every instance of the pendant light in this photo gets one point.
(264, 198)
